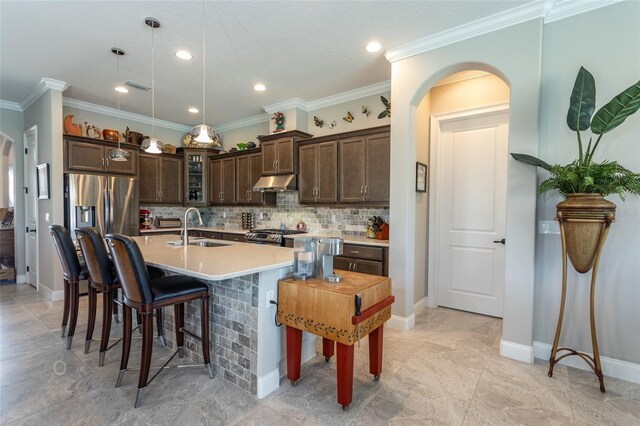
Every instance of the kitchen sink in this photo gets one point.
(207, 244)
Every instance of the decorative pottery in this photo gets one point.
(70, 127)
(110, 135)
(251, 144)
(134, 138)
(93, 131)
(584, 217)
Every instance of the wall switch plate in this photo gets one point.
(224, 215)
(46, 217)
(549, 227)
(261, 215)
(270, 297)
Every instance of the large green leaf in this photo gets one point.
(582, 102)
(617, 110)
(529, 159)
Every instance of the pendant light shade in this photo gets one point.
(152, 145)
(202, 133)
(118, 154)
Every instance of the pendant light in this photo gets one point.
(118, 154)
(152, 145)
(202, 133)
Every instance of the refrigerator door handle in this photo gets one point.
(110, 210)
(107, 211)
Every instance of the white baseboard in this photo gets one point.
(611, 367)
(420, 306)
(268, 383)
(21, 279)
(402, 323)
(516, 351)
(50, 294)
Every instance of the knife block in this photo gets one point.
(383, 233)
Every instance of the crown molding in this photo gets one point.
(566, 8)
(549, 10)
(40, 89)
(262, 118)
(284, 105)
(350, 95)
(14, 106)
(340, 98)
(86, 106)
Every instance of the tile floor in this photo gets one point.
(444, 371)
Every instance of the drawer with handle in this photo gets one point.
(363, 252)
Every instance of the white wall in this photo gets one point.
(421, 225)
(514, 54)
(12, 124)
(232, 137)
(607, 43)
(46, 113)
(360, 120)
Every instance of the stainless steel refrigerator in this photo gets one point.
(107, 202)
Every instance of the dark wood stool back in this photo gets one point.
(145, 295)
(73, 271)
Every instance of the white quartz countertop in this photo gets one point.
(213, 263)
(348, 239)
(197, 228)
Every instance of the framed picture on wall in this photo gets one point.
(43, 181)
(421, 177)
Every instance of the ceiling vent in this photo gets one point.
(137, 85)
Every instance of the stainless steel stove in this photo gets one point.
(269, 236)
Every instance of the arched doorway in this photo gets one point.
(468, 119)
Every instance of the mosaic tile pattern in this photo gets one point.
(347, 220)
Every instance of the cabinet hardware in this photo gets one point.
(355, 266)
(273, 166)
(502, 241)
(354, 251)
(366, 191)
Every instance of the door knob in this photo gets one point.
(502, 241)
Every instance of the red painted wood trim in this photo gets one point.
(294, 353)
(345, 374)
(375, 351)
(372, 310)
(327, 347)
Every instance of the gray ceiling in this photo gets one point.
(305, 49)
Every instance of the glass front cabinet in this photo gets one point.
(196, 176)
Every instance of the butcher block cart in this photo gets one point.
(343, 313)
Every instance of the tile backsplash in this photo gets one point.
(346, 220)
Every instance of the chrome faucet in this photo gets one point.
(185, 232)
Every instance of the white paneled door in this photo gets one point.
(472, 185)
(31, 204)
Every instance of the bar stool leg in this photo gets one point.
(115, 305)
(91, 321)
(107, 306)
(139, 321)
(65, 309)
(178, 310)
(294, 354)
(73, 314)
(126, 342)
(375, 352)
(204, 333)
(160, 327)
(327, 349)
(145, 358)
(345, 375)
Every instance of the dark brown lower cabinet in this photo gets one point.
(364, 259)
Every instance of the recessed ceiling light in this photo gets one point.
(372, 46)
(193, 110)
(183, 54)
(260, 87)
(122, 89)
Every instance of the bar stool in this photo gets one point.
(104, 280)
(73, 271)
(145, 295)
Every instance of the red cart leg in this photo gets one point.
(294, 354)
(345, 374)
(375, 352)
(327, 348)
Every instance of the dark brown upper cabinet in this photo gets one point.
(92, 156)
(279, 155)
(317, 176)
(248, 171)
(364, 169)
(222, 181)
(161, 179)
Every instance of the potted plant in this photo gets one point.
(585, 182)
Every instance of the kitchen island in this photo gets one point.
(247, 347)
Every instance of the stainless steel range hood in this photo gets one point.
(279, 183)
